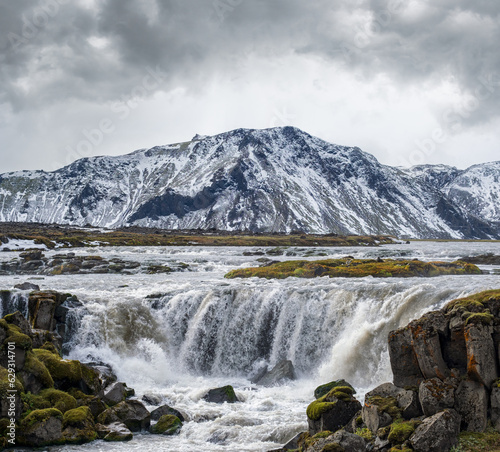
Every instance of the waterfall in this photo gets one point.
(12, 302)
(328, 330)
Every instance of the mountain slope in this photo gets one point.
(277, 179)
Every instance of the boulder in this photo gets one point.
(79, 426)
(374, 417)
(114, 432)
(326, 388)
(168, 424)
(481, 354)
(43, 317)
(406, 399)
(132, 413)
(471, 402)
(333, 410)
(279, 374)
(115, 393)
(435, 395)
(349, 442)
(16, 318)
(165, 409)
(27, 286)
(152, 399)
(221, 395)
(41, 428)
(404, 362)
(438, 433)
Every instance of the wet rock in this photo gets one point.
(20, 321)
(349, 442)
(438, 433)
(44, 314)
(115, 393)
(333, 410)
(472, 404)
(132, 413)
(481, 354)
(27, 286)
(31, 255)
(165, 409)
(117, 431)
(152, 399)
(279, 374)
(221, 395)
(168, 424)
(435, 396)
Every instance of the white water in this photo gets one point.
(205, 332)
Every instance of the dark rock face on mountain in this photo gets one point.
(279, 179)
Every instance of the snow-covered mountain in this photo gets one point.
(278, 179)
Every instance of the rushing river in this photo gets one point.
(200, 331)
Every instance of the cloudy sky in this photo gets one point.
(410, 81)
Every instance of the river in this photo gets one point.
(201, 331)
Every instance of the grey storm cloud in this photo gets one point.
(55, 52)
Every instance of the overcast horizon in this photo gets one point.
(409, 82)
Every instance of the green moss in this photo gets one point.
(333, 447)
(37, 416)
(325, 389)
(36, 368)
(6, 384)
(483, 318)
(59, 399)
(478, 442)
(60, 369)
(400, 432)
(14, 334)
(353, 268)
(168, 424)
(91, 378)
(76, 416)
(323, 434)
(365, 433)
(385, 405)
(317, 408)
(475, 303)
(51, 348)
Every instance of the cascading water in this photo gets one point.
(178, 335)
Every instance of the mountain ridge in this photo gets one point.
(278, 179)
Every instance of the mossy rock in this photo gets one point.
(59, 399)
(7, 382)
(168, 424)
(332, 447)
(400, 432)
(14, 334)
(325, 389)
(387, 405)
(329, 401)
(35, 368)
(91, 379)
(51, 348)
(65, 373)
(365, 433)
(480, 318)
(41, 428)
(79, 426)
